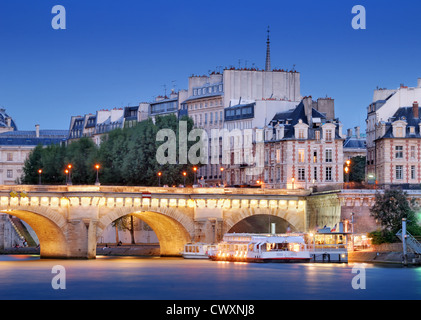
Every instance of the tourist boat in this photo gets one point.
(327, 245)
(262, 248)
(197, 250)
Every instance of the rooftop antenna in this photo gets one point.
(267, 66)
(165, 90)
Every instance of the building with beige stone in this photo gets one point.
(393, 131)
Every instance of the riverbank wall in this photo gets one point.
(129, 250)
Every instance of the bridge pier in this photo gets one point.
(81, 239)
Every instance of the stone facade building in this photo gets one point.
(393, 132)
(301, 148)
(16, 145)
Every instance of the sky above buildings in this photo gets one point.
(118, 53)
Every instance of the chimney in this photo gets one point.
(9, 122)
(357, 132)
(37, 130)
(349, 133)
(415, 109)
(419, 83)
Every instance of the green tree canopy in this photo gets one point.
(126, 157)
(391, 207)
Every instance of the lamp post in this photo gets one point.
(293, 181)
(347, 174)
(195, 175)
(69, 167)
(184, 175)
(97, 174)
(159, 178)
(39, 176)
(66, 172)
(347, 169)
(222, 176)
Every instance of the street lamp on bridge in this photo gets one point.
(195, 174)
(97, 166)
(184, 174)
(159, 178)
(69, 168)
(39, 175)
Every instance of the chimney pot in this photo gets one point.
(37, 130)
(415, 109)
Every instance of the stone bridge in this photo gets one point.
(68, 220)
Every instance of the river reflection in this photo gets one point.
(28, 277)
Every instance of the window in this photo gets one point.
(301, 174)
(412, 172)
(301, 155)
(328, 173)
(9, 156)
(314, 156)
(317, 135)
(412, 130)
(399, 132)
(399, 152)
(329, 136)
(328, 155)
(315, 173)
(10, 174)
(399, 172)
(278, 155)
(412, 152)
(301, 134)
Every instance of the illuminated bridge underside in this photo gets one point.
(68, 220)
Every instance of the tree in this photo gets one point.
(393, 205)
(125, 223)
(31, 166)
(357, 169)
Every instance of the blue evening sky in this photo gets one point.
(119, 53)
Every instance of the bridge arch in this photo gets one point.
(49, 226)
(294, 219)
(172, 228)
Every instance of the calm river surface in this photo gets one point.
(28, 277)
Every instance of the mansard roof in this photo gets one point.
(29, 138)
(292, 117)
(405, 114)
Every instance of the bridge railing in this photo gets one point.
(152, 190)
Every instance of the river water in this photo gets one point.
(28, 277)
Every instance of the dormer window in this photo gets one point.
(301, 134)
(411, 130)
(329, 135)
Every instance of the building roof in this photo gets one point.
(354, 143)
(28, 138)
(405, 114)
(3, 120)
(292, 117)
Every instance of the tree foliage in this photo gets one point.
(391, 207)
(357, 169)
(126, 157)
